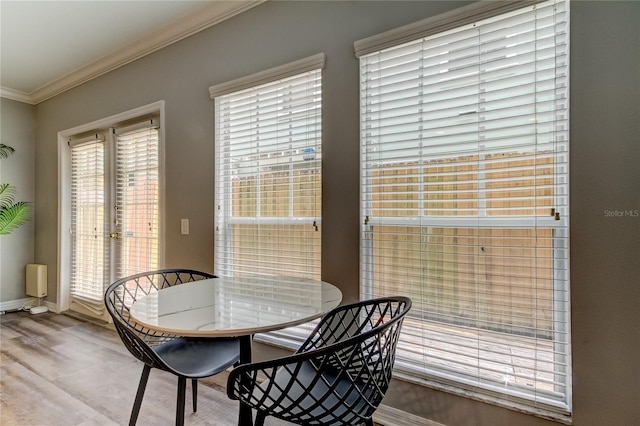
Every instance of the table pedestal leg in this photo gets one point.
(245, 417)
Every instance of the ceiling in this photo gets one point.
(47, 47)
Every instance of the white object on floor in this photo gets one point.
(38, 309)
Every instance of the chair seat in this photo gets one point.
(309, 394)
(197, 358)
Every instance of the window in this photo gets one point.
(89, 229)
(464, 186)
(268, 172)
(137, 198)
(114, 197)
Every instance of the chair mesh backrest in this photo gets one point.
(121, 295)
(371, 329)
(338, 376)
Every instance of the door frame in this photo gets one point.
(64, 192)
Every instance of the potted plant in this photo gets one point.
(13, 213)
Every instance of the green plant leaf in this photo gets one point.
(5, 150)
(8, 195)
(14, 216)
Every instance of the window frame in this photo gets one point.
(64, 195)
(431, 26)
(223, 216)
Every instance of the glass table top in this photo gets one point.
(236, 306)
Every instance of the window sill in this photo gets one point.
(557, 417)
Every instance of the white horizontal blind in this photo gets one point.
(89, 227)
(465, 202)
(268, 180)
(137, 198)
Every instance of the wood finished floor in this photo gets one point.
(57, 370)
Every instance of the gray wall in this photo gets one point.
(17, 129)
(605, 151)
(605, 178)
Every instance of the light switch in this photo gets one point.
(184, 226)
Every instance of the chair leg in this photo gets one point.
(260, 416)
(138, 402)
(368, 422)
(194, 394)
(182, 390)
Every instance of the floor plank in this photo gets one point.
(57, 370)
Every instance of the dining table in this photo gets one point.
(240, 306)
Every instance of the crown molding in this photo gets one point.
(15, 95)
(201, 18)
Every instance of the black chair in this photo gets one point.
(338, 376)
(187, 358)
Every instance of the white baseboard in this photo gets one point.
(389, 416)
(14, 305)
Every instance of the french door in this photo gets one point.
(114, 210)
